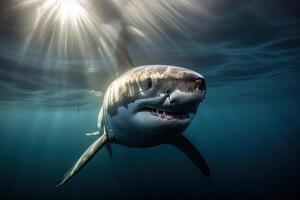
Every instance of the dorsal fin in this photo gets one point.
(124, 61)
(190, 151)
(84, 158)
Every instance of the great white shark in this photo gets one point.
(145, 107)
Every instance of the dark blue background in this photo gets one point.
(247, 129)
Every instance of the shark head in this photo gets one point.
(151, 104)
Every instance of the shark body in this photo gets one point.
(148, 106)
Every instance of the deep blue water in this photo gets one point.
(248, 128)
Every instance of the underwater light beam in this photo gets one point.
(93, 33)
(66, 29)
(65, 9)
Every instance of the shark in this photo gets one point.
(148, 106)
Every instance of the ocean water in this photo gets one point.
(248, 128)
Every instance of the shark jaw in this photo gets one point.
(176, 107)
(167, 114)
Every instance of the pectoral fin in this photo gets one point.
(190, 151)
(86, 156)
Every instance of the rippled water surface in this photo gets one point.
(247, 128)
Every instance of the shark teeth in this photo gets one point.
(166, 114)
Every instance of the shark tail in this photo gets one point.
(85, 157)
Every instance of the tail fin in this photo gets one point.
(83, 160)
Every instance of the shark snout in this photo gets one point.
(193, 95)
(184, 99)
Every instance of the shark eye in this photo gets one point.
(149, 83)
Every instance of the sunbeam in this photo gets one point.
(67, 30)
(96, 33)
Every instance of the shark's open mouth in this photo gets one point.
(167, 115)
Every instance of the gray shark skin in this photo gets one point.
(148, 106)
